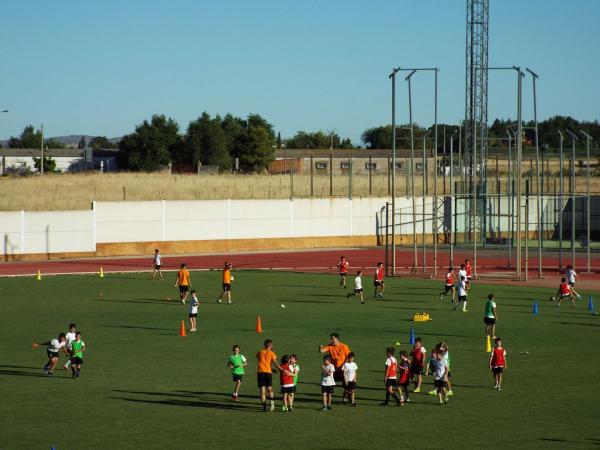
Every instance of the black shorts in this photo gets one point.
(462, 298)
(157, 267)
(417, 370)
(351, 385)
(237, 377)
(358, 291)
(393, 382)
(76, 361)
(338, 375)
(51, 354)
(226, 287)
(264, 379)
(343, 274)
(498, 369)
(571, 283)
(183, 288)
(448, 288)
(288, 389)
(377, 283)
(193, 315)
(404, 385)
(489, 320)
(439, 383)
(566, 295)
(327, 389)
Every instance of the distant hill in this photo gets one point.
(71, 140)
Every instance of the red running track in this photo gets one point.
(489, 261)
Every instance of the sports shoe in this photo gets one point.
(450, 393)
(324, 408)
(499, 388)
(362, 302)
(272, 405)
(284, 409)
(417, 390)
(465, 310)
(446, 401)
(578, 296)
(182, 301)
(290, 409)
(219, 300)
(353, 404)
(432, 392)
(229, 302)
(329, 407)
(441, 297)
(441, 402)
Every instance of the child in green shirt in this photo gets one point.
(236, 363)
(76, 350)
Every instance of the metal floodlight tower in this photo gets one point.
(476, 91)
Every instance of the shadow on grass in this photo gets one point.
(313, 301)
(581, 324)
(148, 301)
(22, 373)
(136, 327)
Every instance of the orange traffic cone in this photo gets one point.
(182, 329)
(258, 325)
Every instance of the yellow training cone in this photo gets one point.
(101, 273)
(39, 276)
(488, 344)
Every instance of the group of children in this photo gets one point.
(378, 280)
(69, 343)
(566, 289)
(458, 284)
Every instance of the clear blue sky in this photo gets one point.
(102, 67)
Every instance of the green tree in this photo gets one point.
(206, 141)
(255, 145)
(101, 142)
(381, 137)
(151, 145)
(82, 143)
(49, 164)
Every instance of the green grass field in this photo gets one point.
(142, 386)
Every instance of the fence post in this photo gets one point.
(370, 178)
(311, 175)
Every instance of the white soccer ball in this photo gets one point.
(282, 305)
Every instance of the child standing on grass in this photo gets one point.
(327, 382)
(349, 369)
(55, 346)
(236, 363)
(404, 375)
(343, 268)
(286, 380)
(498, 363)
(193, 314)
(391, 378)
(294, 364)
(76, 350)
(156, 265)
(564, 292)
(70, 338)
(358, 289)
(431, 362)
(378, 282)
(417, 364)
(442, 348)
(440, 377)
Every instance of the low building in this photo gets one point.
(19, 160)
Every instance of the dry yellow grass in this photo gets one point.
(77, 191)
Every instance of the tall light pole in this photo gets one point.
(393, 78)
(511, 203)
(588, 140)
(560, 203)
(412, 169)
(574, 139)
(452, 198)
(435, 161)
(534, 78)
(520, 76)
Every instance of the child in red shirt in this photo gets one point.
(498, 363)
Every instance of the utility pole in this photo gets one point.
(42, 150)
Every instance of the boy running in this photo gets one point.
(462, 294)
(378, 281)
(417, 365)
(55, 346)
(572, 278)
(358, 289)
(490, 316)
(70, 338)
(349, 369)
(76, 349)
(343, 268)
(564, 291)
(227, 279)
(236, 363)
(498, 363)
(449, 284)
(327, 382)
(156, 265)
(390, 378)
(286, 380)
(267, 359)
(184, 282)
(193, 313)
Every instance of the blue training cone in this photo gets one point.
(590, 304)
(535, 307)
(411, 340)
